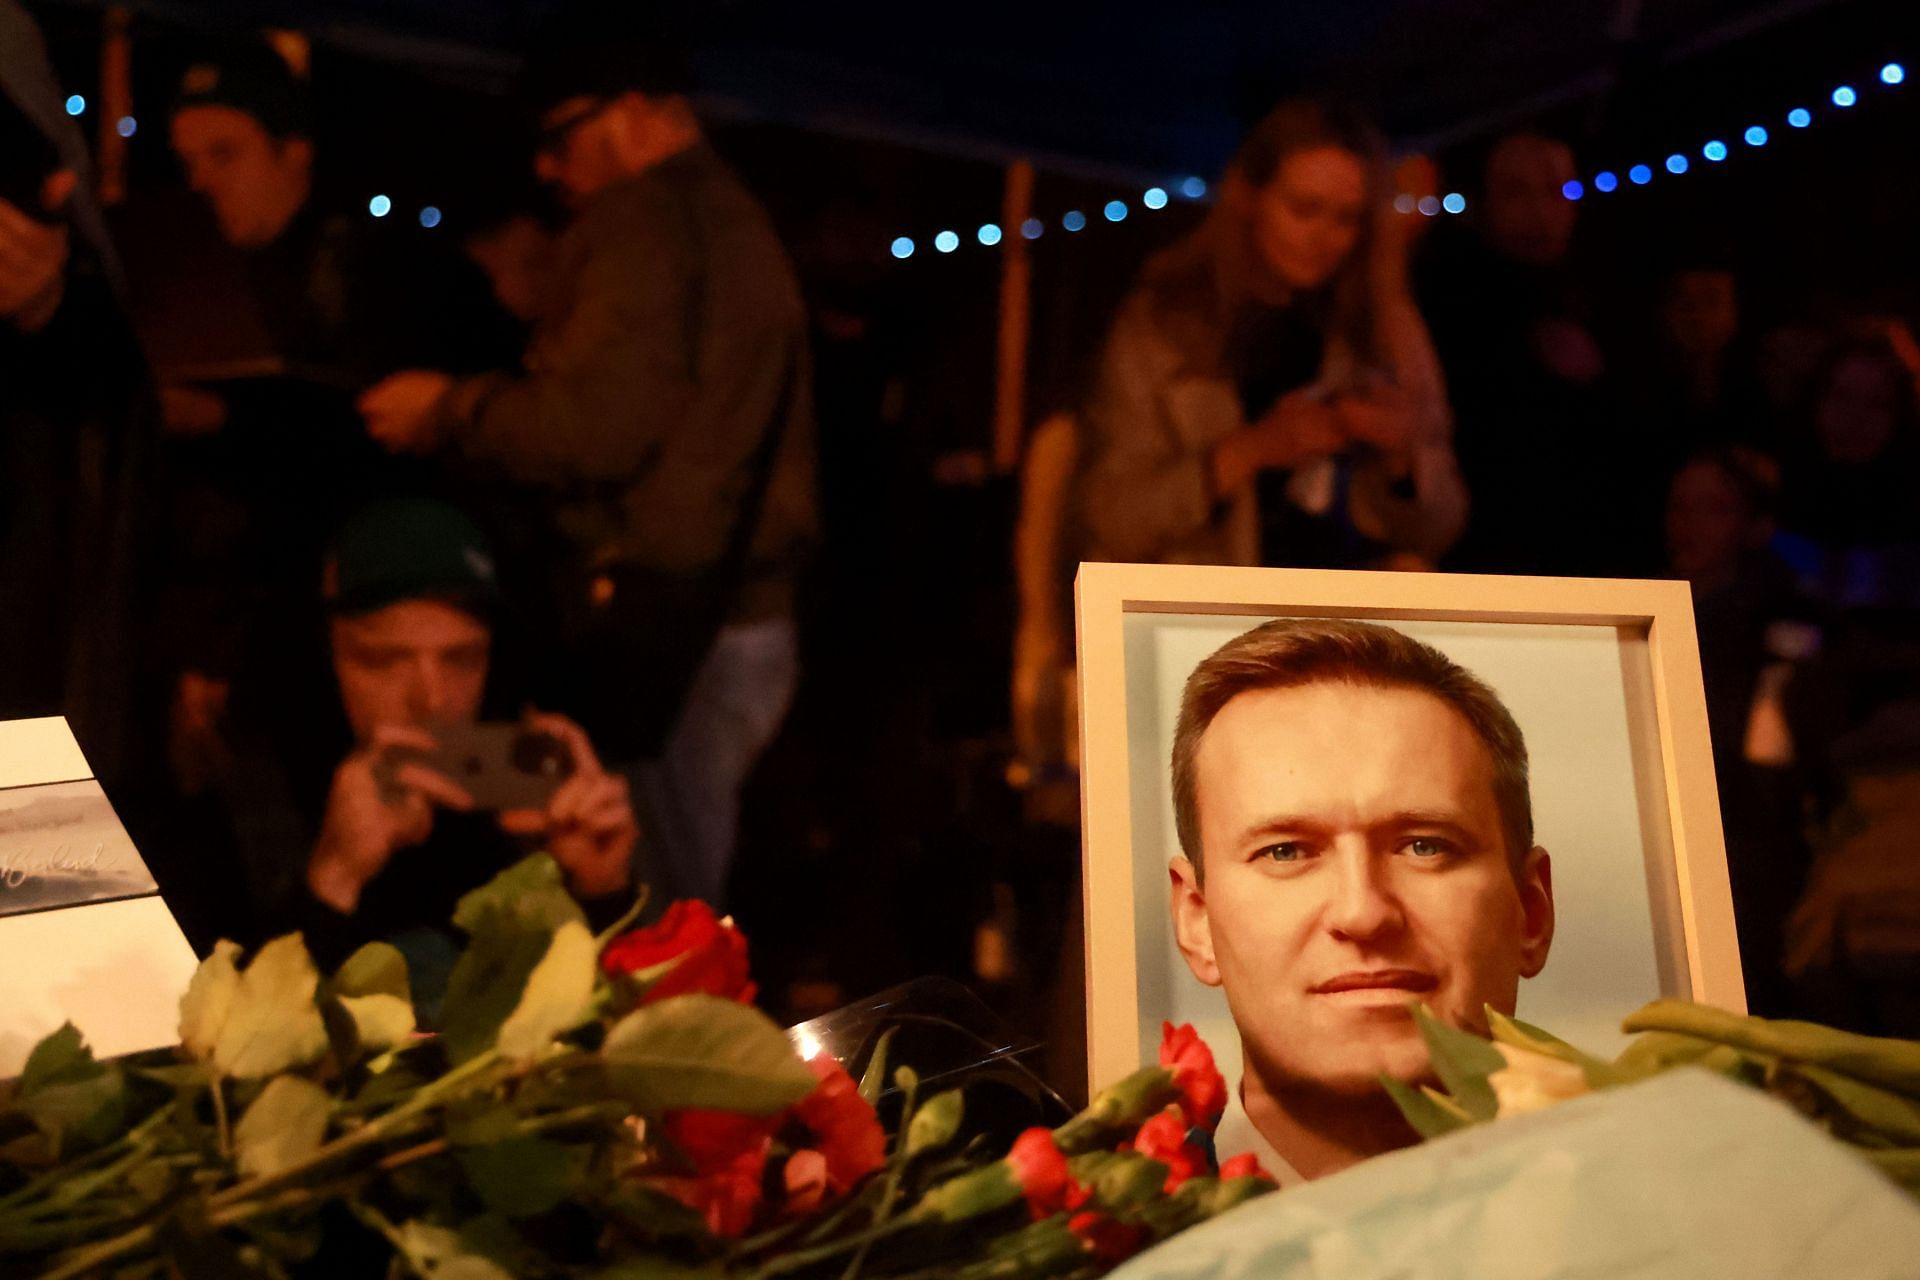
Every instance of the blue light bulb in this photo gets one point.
(1892, 73)
(1074, 221)
(1640, 175)
(989, 235)
(1799, 117)
(379, 206)
(1116, 211)
(903, 247)
(1756, 136)
(1676, 163)
(1715, 150)
(946, 242)
(1454, 202)
(1605, 181)
(76, 104)
(1844, 96)
(1032, 228)
(1194, 188)
(1154, 198)
(1572, 189)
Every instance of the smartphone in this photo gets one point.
(501, 765)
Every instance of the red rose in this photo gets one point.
(1041, 1172)
(1245, 1165)
(712, 1140)
(727, 1153)
(1164, 1138)
(712, 954)
(846, 1131)
(1106, 1239)
(1203, 1093)
(806, 1180)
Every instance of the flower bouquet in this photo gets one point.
(1863, 1091)
(602, 1108)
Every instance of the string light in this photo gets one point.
(1196, 188)
(1799, 117)
(430, 217)
(1639, 175)
(1403, 203)
(1715, 151)
(1031, 229)
(1116, 211)
(76, 104)
(1844, 96)
(1454, 202)
(1676, 163)
(126, 126)
(946, 242)
(1428, 205)
(989, 235)
(1756, 136)
(379, 206)
(1605, 180)
(1892, 73)
(1154, 198)
(903, 247)
(1074, 221)
(1572, 189)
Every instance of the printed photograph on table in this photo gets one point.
(62, 845)
(1313, 799)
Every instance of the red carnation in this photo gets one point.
(728, 1154)
(712, 954)
(1041, 1171)
(1203, 1093)
(1107, 1240)
(1245, 1165)
(1164, 1138)
(846, 1132)
(806, 1180)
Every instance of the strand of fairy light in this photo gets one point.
(1718, 150)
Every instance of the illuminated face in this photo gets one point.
(254, 182)
(1355, 863)
(410, 663)
(579, 152)
(1309, 217)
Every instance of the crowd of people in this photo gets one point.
(284, 506)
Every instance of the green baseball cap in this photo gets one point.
(409, 549)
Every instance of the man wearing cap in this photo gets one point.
(386, 847)
(664, 417)
(299, 308)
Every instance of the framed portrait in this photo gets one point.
(1602, 680)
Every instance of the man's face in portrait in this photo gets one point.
(1355, 861)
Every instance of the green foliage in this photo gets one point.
(698, 1051)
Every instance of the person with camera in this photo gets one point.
(368, 812)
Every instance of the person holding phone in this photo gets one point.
(370, 817)
(1267, 392)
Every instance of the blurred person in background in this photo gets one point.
(1256, 402)
(1850, 529)
(75, 424)
(264, 454)
(1751, 626)
(664, 413)
(1537, 435)
(1697, 389)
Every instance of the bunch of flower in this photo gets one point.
(1864, 1090)
(596, 1108)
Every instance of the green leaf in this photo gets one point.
(627, 917)
(1463, 1061)
(521, 1177)
(377, 969)
(530, 893)
(1891, 1115)
(59, 1058)
(258, 1022)
(1429, 1117)
(78, 1114)
(209, 998)
(486, 985)
(1127, 1181)
(380, 1021)
(935, 1123)
(873, 1081)
(702, 1051)
(285, 1125)
(558, 994)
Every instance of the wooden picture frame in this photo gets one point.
(1665, 757)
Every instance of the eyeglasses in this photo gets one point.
(554, 133)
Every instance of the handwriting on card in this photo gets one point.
(22, 866)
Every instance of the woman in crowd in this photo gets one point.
(1268, 392)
